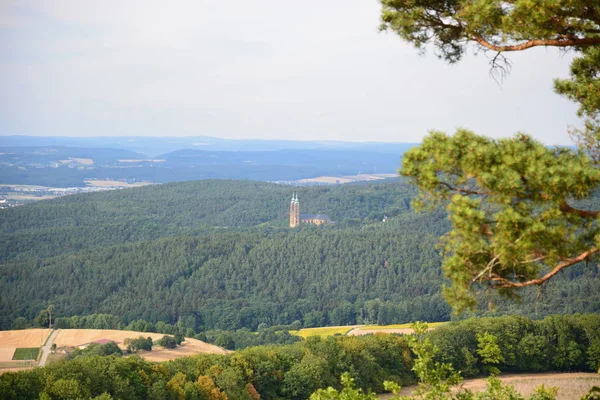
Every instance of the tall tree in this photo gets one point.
(512, 202)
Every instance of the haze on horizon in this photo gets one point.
(264, 69)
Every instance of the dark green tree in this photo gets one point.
(512, 202)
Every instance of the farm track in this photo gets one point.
(46, 348)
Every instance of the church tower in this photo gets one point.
(294, 211)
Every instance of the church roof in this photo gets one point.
(315, 216)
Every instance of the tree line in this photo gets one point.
(556, 343)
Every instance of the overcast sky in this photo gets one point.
(312, 69)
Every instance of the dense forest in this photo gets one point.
(219, 255)
(556, 343)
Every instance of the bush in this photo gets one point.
(168, 342)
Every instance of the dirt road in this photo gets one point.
(46, 348)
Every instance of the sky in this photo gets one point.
(261, 69)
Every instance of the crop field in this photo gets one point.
(111, 183)
(27, 338)
(323, 332)
(396, 328)
(357, 330)
(78, 337)
(26, 353)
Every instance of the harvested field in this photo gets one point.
(396, 328)
(109, 183)
(6, 353)
(11, 340)
(16, 366)
(571, 385)
(324, 331)
(25, 196)
(347, 178)
(77, 337)
(189, 348)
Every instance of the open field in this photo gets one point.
(11, 341)
(23, 338)
(347, 178)
(26, 353)
(356, 330)
(571, 385)
(21, 187)
(323, 332)
(396, 328)
(84, 161)
(26, 196)
(15, 366)
(77, 337)
(109, 183)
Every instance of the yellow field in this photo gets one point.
(355, 330)
(400, 326)
(323, 332)
(11, 340)
(396, 328)
(77, 337)
(22, 338)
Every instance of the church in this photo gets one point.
(296, 218)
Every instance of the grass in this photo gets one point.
(26, 353)
(323, 332)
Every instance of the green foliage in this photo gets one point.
(507, 200)
(556, 343)
(168, 342)
(349, 392)
(498, 25)
(489, 351)
(140, 343)
(435, 378)
(162, 249)
(584, 89)
(95, 349)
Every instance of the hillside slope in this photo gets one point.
(219, 253)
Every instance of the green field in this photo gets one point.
(26, 353)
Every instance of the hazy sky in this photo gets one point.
(312, 69)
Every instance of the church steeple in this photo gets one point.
(294, 211)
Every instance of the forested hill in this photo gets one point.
(219, 253)
(98, 219)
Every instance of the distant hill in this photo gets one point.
(152, 146)
(63, 166)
